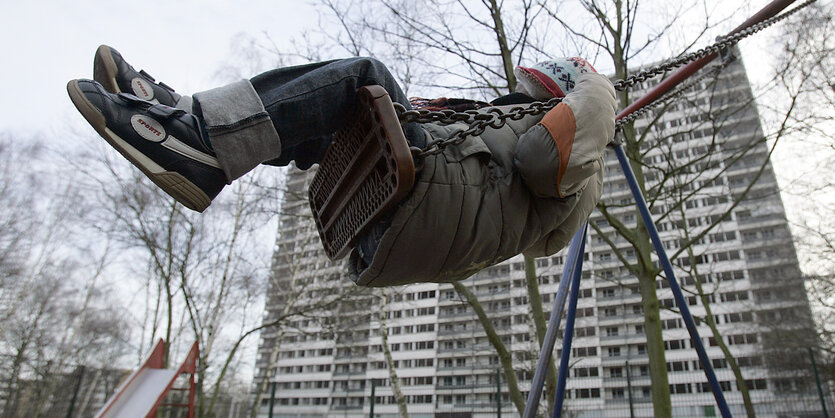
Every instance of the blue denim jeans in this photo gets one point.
(290, 114)
(307, 103)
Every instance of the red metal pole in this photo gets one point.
(191, 367)
(676, 78)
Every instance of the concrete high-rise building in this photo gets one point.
(704, 151)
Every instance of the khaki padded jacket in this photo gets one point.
(525, 187)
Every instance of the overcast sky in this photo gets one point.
(183, 43)
(48, 43)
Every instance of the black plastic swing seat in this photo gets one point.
(366, 171)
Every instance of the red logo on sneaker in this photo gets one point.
(142, 89)
(148, 128)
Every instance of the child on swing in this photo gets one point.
(525, 187)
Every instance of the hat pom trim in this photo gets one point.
(542, 81)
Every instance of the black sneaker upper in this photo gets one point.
(109, 67)
(171, 137)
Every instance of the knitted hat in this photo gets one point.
(553, 78)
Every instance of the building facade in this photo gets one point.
(700, 155)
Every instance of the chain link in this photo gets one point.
(479, 121)
(721, 44)
(678, 93)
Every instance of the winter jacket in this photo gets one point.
(525, 187)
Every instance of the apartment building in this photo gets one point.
(700, 155)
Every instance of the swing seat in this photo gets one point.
(366, 171)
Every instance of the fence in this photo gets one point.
(603, 393)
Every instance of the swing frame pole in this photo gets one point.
(575, 252)
(569, 325)
(573, 265)
(770, 10)
(678, 295)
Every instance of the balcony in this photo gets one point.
(622, 359)
(351, 341)
(490, 406)
(636, 398)
(619, 319)
(469, 331)
(348, 390)
(455, 314)
(472, 348)
(350, 356)
(628, 298)
(491, 293)
(469, 367)
(620, 381)
(625, 338)
(348, 372)
(346, 407)
(466, 386)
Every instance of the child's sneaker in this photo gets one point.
(117, 76)
(167, 144)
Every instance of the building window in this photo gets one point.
(681, 388)
(585, 351)
(586, 372)
(587, 393)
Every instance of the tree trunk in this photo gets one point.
(661, 404)
(262, 387)
(395, 381)
(504, 356)
(740, 381)
(13, 386)
(539, 321)
(91, 388)
(169, 297)
(504, 49)
(646, 271)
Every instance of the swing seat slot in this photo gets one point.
(367, 169)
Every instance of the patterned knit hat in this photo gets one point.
(553, 78)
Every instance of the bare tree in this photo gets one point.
(54, 311)
(505, 357)
(305, 296)
(384, 334)
(203, 273)
(802, 77)
(668, 180)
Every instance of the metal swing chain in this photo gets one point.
(720, 44)
(479, 121)
(667, 98)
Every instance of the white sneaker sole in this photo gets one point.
(173, 183)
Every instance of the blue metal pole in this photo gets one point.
(569, 326)
(671, 278)
(574, 252)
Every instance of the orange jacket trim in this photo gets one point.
(560, 123)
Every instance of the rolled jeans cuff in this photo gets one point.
(239, 128)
